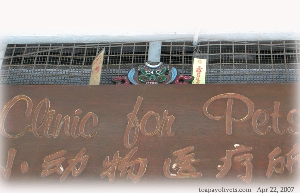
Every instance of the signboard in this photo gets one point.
(199, 70)
(174, 134)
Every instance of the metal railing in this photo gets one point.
(228, 62)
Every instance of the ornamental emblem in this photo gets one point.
(153, 74)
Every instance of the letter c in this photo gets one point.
(6, 109)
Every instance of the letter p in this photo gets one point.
(228, 114)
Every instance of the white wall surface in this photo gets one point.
(35, 21)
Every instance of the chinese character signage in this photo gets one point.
(199, 71)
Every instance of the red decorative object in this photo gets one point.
(121, 80)
(181, 79)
